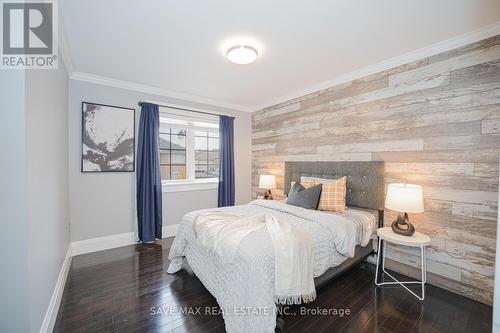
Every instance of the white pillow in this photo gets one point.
(304, 179)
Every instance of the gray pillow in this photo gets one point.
(304, 197)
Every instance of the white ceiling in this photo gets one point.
(178, 45)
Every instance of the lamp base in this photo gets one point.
(268, 195)
(402, 225)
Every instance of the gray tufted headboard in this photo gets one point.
(365, 180)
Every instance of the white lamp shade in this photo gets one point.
(267, 182)
(406, 198)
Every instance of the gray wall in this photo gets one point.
(102, 204)
(35, 191)
(435, 122)
(47, 184)
(176, 204)
(13, 220)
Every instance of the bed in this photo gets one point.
(244, 289)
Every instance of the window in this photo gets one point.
(173, 153)
(189, 146)
(206, 145)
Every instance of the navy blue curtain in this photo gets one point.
(226, 161)
(149, 215)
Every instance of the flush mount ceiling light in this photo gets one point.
(242, 54)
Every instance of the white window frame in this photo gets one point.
(190, 183)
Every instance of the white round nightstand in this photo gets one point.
(416, 240)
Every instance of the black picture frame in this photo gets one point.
(83, 131)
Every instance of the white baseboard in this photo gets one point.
(102, 243)
(55, 301)
(113, 241)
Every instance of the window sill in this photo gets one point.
(189, 185)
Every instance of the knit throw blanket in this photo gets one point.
(293, 250)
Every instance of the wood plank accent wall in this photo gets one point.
(435, 122)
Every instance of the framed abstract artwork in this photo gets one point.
(108, 138)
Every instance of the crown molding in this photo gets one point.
(433, 49)
(406, 58)
(107, 81)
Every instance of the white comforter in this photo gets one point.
(244, 288)
(222, 233)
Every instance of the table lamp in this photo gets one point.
(404, 198)
(267, 183)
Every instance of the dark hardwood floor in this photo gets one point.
(114, 290)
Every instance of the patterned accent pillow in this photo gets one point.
(333, 195)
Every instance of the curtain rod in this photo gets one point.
(185, 109)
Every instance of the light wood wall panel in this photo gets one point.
(435, 122)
